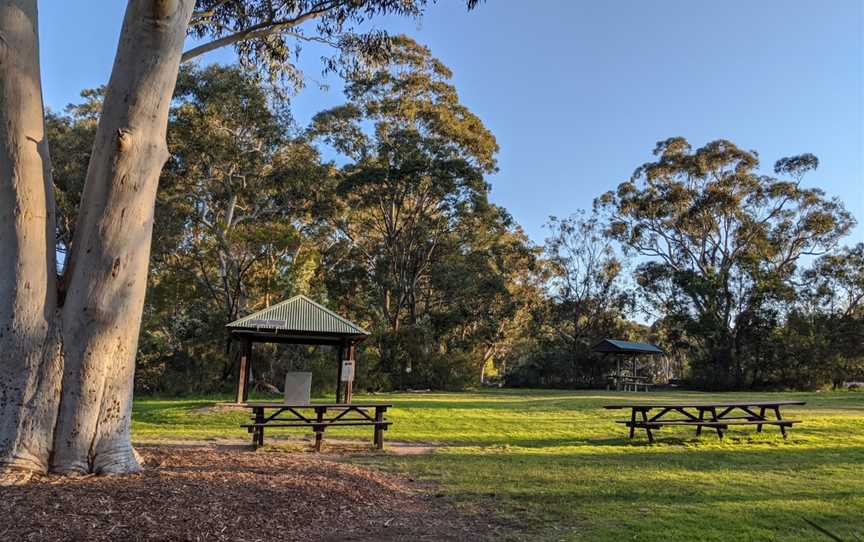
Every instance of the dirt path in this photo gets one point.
(227, 492)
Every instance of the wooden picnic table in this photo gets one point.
(315, 416)
(630, 382)
(705, 415)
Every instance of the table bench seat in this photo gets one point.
(251, 426)
(721, 424)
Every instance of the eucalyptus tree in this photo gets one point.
(235, 214)
(588, 294)
(482, 289)
(417, 163)
(68, 343)
(821, 335)
(722, 238)
(836, 281)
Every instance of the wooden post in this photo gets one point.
(378, 439)
(244, 371)
(319, 426)
(701, 418)
(349, 385)
(258, 436)
(340, 352)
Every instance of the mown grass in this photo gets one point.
(553, 463)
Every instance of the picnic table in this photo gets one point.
(718, 416)
(318, 417)
(630, 382)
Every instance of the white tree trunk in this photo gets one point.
(101, 316)
(29, 356)
(99, 312)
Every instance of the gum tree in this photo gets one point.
(722, 240)
(68, 340)
(418, 160)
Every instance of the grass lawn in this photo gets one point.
(554, 464)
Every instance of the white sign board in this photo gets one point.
(272, 324)
(348, 370)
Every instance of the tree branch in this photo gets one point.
(257, 31)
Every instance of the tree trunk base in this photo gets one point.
(123, 460)
(14, 477)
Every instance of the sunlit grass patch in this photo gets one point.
(555, 464)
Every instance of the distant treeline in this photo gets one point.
(742, 274)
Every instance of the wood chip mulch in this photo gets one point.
(223, 493)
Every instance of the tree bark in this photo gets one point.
(67, 349)
(107, 273)
(29, 347)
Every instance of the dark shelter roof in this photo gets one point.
(298, 316)
(614, 346)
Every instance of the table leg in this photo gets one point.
(701, 419)
(647, 429)
(761, 415)
(378, 439)
(714, 418)
(258, 434)
(782, 427)
(632, 422)
(319, 427)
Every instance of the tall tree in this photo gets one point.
(725, 238)
(586, 284)
(419, 159)
(237, 211)
(68, 343)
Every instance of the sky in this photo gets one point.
(578, 92)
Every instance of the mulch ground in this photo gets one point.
(231, 493)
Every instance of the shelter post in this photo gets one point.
(341, 353)
(245, 370)
(349, 384)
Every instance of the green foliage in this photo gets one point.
(426, 258)
(588, 302)
(71, 135)
(267, 34)
(403, 239)
(241, 208)
(724, 242)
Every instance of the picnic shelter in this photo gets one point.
(627, 349)
(298, 320)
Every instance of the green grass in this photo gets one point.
(554, 464)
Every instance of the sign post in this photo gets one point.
(347, 376)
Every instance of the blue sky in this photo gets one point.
(578, 92)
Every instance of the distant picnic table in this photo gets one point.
(318, 417)
(629, 382)
(717, 416)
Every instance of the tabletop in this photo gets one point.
(721, 404)
(315, 405)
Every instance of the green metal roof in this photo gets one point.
(613, 346)
(298, 314)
